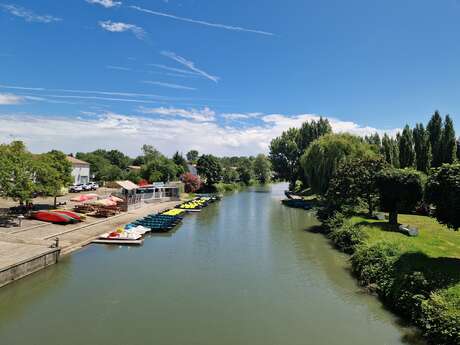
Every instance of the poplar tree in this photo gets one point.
(448, 142)
(422, 148)
(389, 150)
(406, 148)
(434, 129)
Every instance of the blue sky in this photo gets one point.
(220, 76)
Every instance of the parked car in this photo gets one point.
(76, 188)
(93, 185)
(87, 187)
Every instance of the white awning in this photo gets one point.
(128, 185)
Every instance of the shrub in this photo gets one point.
(334, 221)
(347, 237)
(373, 265)
(440, 318)
(192, 183)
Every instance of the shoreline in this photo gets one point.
(29, 250)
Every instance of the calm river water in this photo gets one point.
(243, 271)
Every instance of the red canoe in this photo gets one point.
(69, 213)
(52, 217)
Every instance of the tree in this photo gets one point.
(284, 156)
(443, 191)
(17, 171)
(53, 173)
(399, 189)
(448, 142)
(181, 163)
(262, 168)
(115, 157)
(244, 170)
(458, 149)
(324, 155)
(422, 148)
(101, 167)
(390, 150)
(210, 169)
(356, 180)
(230, 175)
(192, 183)
(312, 130)
(434, 129)
(192, 156)
(406, 149)
(159, 168)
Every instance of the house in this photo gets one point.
(134, 168)
(192, 169)
(80, 170)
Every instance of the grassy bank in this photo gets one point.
(417, 277)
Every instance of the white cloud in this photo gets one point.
(118, 68)
(171, 86)
(105, 3)
(28, 15)
(175, 132)
(9, 99)
(201, 22)
(240, 116)
(173, 69)
(108, 25)
(202, 115)
(190, 65)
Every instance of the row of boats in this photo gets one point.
(165, 221)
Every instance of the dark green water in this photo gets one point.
(243, 271)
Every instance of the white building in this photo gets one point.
(80, 170)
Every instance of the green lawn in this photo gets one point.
(434, 240)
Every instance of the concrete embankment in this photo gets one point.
(29, 249)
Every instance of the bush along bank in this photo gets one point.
(421, 288)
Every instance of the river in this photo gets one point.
(245, 270)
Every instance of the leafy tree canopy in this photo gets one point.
(400, 190)
(324, 155)
(208, 167)
(443, 190)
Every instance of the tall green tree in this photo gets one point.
(262, 168)
(209, 168)
(448, 142)
(390, 150)
(399, 189)
(458, 149)
(443, 190)
(181, 162)
(192, 156)
(354, 181)
(406, 149)
(230, 175)
(321, 159)
(434, 129)
(312, 130)
(53, 173)
(17, 170)
(422, 148)
(284, 156)
(245, 171)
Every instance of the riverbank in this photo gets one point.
(29, 249)
(416, 277)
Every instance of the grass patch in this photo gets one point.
(434, 240)
(418, 277)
